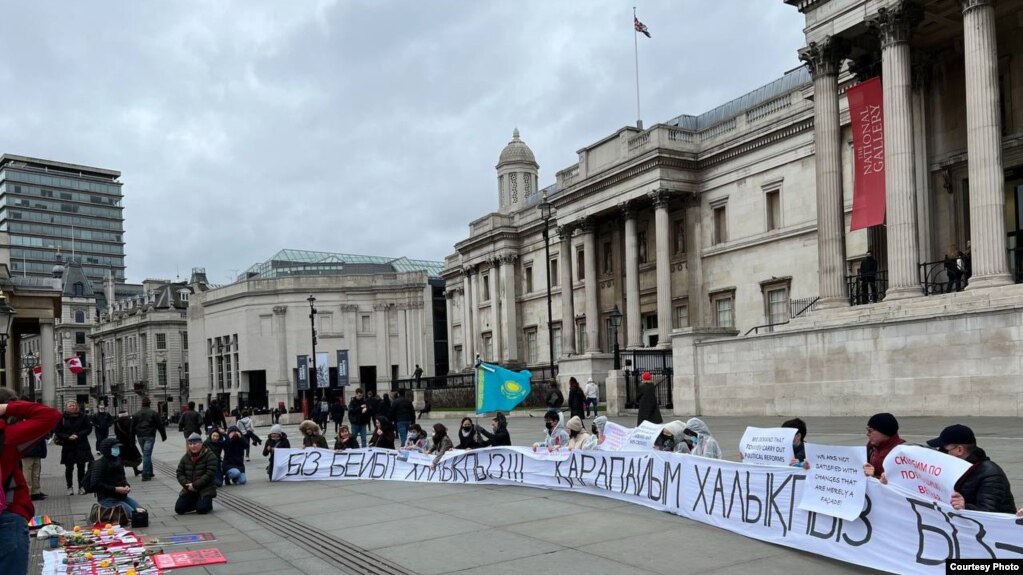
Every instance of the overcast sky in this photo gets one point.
(370, 127)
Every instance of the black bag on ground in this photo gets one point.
(140, 518)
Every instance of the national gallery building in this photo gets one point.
(720, 251)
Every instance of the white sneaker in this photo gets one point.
(70, 490)
(81, 491)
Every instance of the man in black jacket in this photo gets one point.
(359, 415)
(500, 437)
(190, 422)
(101, 422)
(984, 487)
(403, 414)
(147, 424)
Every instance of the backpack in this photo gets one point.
(89, 481)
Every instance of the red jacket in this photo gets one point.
(876, 455)
(33, 421)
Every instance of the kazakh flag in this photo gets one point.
(500, 389)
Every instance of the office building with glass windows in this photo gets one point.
(49, 207)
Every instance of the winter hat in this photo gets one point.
(600, 422)
(884, 423)
(590, 380)
(233, 429)
(276, 428)
(646, 376)
(575, 424)
(194, 437)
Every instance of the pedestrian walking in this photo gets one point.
(592, 396)
(576, 399)
(101, 422)
(190, 422)
(403, 414)
(647, 396)
(72, 435)
(359, 415)
(124, 431)
(147, 424)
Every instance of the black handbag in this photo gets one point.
(140, 518)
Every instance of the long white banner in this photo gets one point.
(897, 531)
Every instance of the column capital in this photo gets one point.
(381, 306)
(825, 58)
(349, 307)
(660, 198)
(896, 24)
(971, 4)
(280, 309)
(467, 271)
(628, 210)
(564, 231)
(588, 225)
(509, 258)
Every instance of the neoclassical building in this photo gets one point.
(724, 238)
(245, 337)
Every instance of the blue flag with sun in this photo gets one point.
(500, 389)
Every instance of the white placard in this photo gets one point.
(768, 446)
(615, 436)
(642, 438)
(924, 472)
(835, 485)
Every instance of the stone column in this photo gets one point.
(984, 146)
(474, 314)
(401, 318)
(509, 315)
(495, 311)
(47, 359)
(633, 325)
(468, 339)
(383, 340)
(663, 233)
(590, 265)
(351, 313)
(282, 387)
(567, 293)
(824, 59)
(922, 67)
(896, 25)
(694, 263)
(448, 296)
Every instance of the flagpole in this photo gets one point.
(635, 45)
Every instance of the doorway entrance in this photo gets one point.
(368, 377)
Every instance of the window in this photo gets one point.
(485, 296)
(679, 241)
(556, 334)
(580, 336)
(184, 340)
(580, 265)
(528, 276)
(773, 206)
(650, 334)
(79, 337)
(608, 261)
(458, 357)
(777, 300)
(611, 334)
(641, 246)
(79, 316)
(161, 341)
(488, 347)
(724, 313)
(161, 374)
(532, 352)
(681, 316)
(554, 272)
(364, 324)
(720, 225)
(79, 289)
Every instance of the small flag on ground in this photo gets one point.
(500, 389)
(641, 27)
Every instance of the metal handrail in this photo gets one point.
(756, 329)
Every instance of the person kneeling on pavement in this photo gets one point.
(196, 470)
(234, 457)
(107, 479)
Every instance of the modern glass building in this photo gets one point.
(46, 206)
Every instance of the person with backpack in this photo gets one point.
(72, 435)
(22, 423)
(106, 478)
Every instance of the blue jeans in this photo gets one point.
(359, 430)
(128, 503)
(403, 431)
(13, 543)
(591, 401)
(147, 444)
(236, 475)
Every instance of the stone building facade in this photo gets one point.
(725, 239)
(245, 337)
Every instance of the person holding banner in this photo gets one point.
(276, 439)
(671, 438)
(882, 437)
(579, 438)
(311, 435)
(984, 487)
(441, 444)
(597, 428)
(500, 437)
(345, 440)
(467, 435)
(798, 446)
(702, 443)
(554, 426)
(417, 439)
(383, 435)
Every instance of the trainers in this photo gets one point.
(146, 477)
(81, 491)
(70, 490)
(38, 496)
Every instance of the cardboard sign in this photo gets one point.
(768, 446)
(835, 485)
(642, 438)
(924, 472)
(615, 436)
(193, 558)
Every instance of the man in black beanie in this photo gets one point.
(984, 487)
(882, 437)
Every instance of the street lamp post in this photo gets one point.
(313, 381)
(29, 361)
(6, 320)
(546, 214)
(181, 386)
(616, 322)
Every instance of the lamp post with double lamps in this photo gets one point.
(547, 214)
(29, 361)
(312, 382)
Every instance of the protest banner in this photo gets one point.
(896, 531)
(767, 446)
(193, 558)
(835, 485)
(642, 438)
(615, 436)
(924, 472)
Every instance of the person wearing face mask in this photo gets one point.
(467, 435)
(417, 439)
(554, 427)
(500, 436)
(441, 444)
(984, 486)
(345, 439)
(671, 436)
(72, 434)
(196, 472)
(108, 480)
(700, 440)
(597, 429)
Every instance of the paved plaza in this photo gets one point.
(401, 528)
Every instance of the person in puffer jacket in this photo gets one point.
(554, 427)
(984, 486)
(700, 439)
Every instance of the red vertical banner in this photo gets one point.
(866, 112)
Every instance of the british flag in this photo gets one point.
(640, 27)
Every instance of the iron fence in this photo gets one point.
(656, 362)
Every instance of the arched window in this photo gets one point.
(79, 316)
